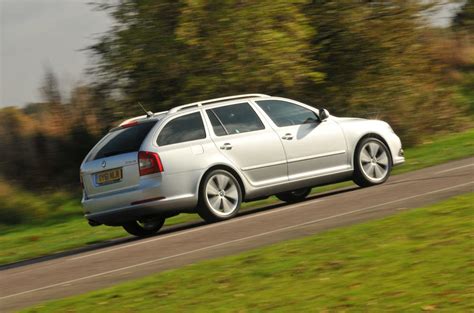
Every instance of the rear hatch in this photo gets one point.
(112, 165)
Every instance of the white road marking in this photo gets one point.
(455, 168)
(198, 229)
(233, 241)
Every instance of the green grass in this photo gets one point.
(418, 260)
(438, 150)
(59, 217)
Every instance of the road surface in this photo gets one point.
(25, 285)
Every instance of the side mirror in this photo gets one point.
(323, 114)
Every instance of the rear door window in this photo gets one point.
(182, 129)
(234, 119)
(285, 113)
(122, 140)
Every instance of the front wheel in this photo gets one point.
(294, 196)
(144, 228)
(372, 163)
(220, 196)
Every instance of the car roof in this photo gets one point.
(191, 106)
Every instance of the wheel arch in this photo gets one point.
(371, 135)
(228, 169)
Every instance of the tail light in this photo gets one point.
(149, 163)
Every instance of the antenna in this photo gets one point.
(148, 113)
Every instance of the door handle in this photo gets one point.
(226, 146)
(287, 136)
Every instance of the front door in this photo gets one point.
(313, 148)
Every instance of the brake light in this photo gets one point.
(131, 124)
(149, 163)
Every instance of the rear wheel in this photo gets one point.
(145, 227)
(294, 196)
(220, 196)
(372, 163)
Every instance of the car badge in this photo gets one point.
(104, 164)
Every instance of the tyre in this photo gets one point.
(144, 228)
(372, 163)
(220, 196)
(294, 196)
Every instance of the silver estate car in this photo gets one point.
(210, 156)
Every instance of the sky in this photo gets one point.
(40, 34)
(37, 34)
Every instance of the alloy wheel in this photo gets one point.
(374, 161)
(222, 195)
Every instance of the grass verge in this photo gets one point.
(62, 217)
(419, 260)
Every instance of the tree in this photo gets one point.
(464, 19)
(140, 58)
(241, 46)
(463, 27)
(50, 87)
(353, 57)
(376, 59)
(171, 52)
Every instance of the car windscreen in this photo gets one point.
(122, 140)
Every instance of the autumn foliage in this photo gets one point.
(377, 59)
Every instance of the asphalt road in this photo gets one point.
(25, 285)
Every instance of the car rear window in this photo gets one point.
(122, 140)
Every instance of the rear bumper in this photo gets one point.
(119, 216)
(158, 194)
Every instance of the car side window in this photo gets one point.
(181, 129)
(234, 119)
(285, 113)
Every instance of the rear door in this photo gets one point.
(254, 148)
(112, 165)
(312, 147)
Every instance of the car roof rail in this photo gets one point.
(141, 117)
(216, 100)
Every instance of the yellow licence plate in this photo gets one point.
(108, 177)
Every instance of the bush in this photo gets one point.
(20, 207)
